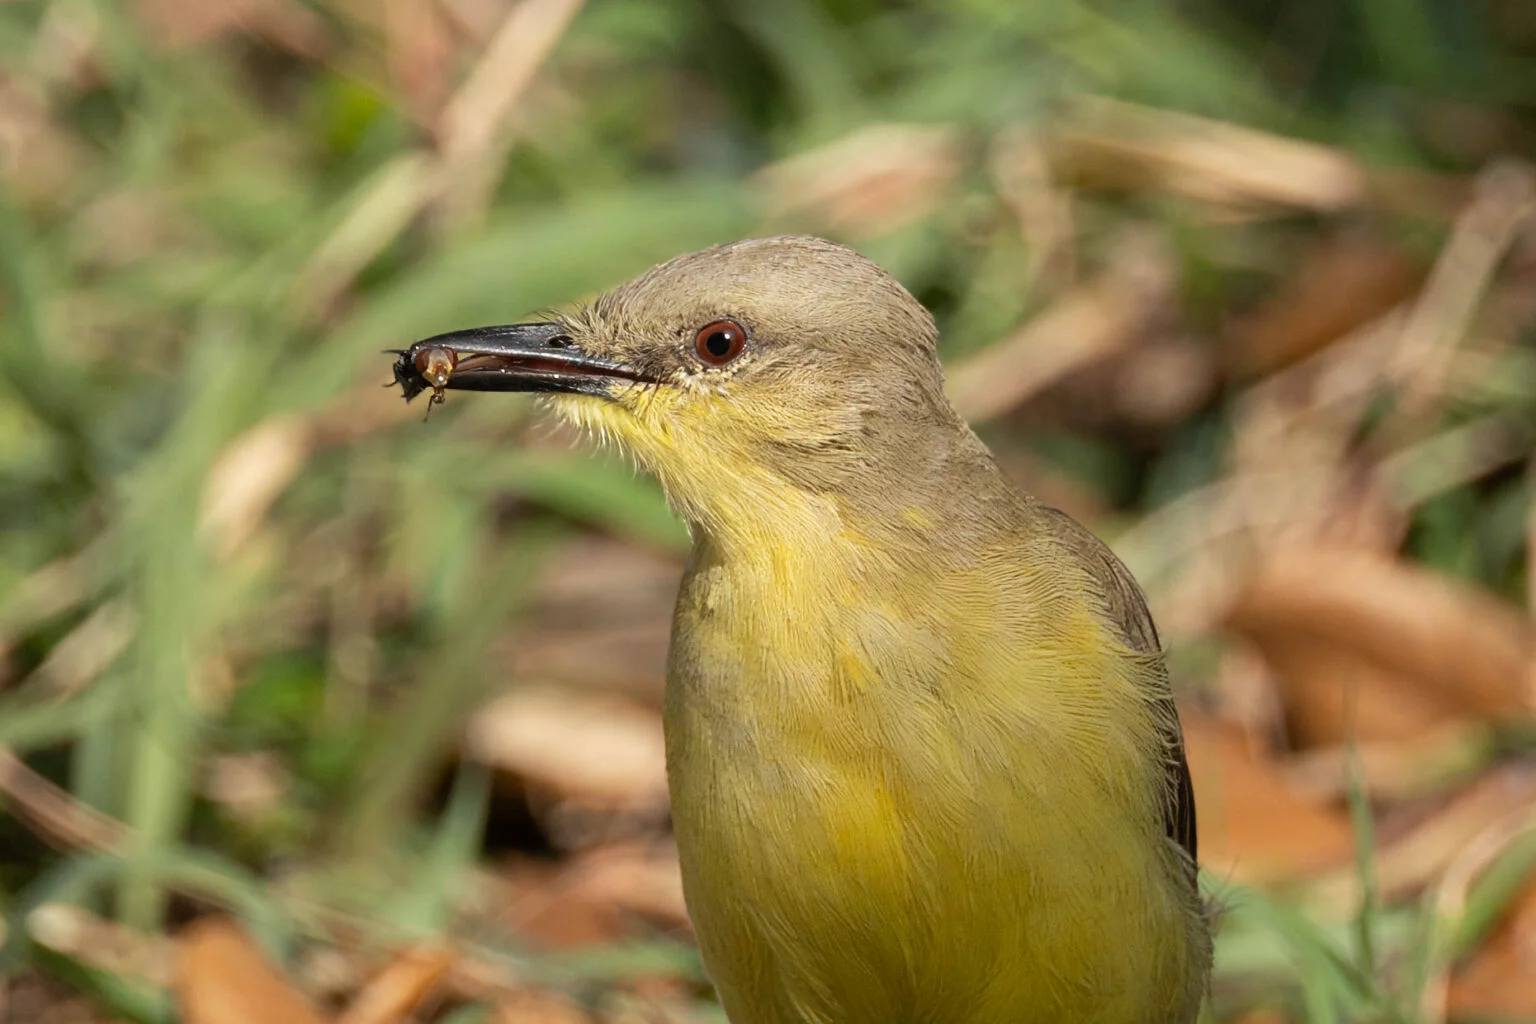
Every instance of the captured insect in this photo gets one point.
(422, 367)
(536, 357)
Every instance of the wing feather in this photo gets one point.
(1126, 610)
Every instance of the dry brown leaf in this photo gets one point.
(1416, 649)
(639, 878)
(1253, 825)
(1299, 479)
(535, 1007)
(395, 992)
(592, 898)
(1500, 979)
(1399, 770)
(873, 181)
(1125, 145)
(1292, 476)
(600, 751)
(539, 904)
(1332, 694)
(1338, 286)
(224, 979)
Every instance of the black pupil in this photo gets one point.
(719, 343)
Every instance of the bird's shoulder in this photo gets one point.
(1124, 607)
(1124, 603)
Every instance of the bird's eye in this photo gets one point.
(719, 342)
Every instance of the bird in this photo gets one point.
(923, 756)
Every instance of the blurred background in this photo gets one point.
(311, 710)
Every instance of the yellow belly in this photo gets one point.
(855, 895)
(889, 836)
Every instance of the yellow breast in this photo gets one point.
(909, 797)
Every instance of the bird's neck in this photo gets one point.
(924, 497)
(758, 517)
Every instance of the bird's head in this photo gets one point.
(770, 371)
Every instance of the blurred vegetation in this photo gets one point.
(248, 600)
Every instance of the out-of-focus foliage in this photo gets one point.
(1249, 286)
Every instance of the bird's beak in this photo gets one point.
(507, 357)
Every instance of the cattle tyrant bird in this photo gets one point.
(924, 761)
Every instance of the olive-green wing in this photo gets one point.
(1126, 609)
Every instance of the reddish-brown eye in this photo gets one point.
(720, 342)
